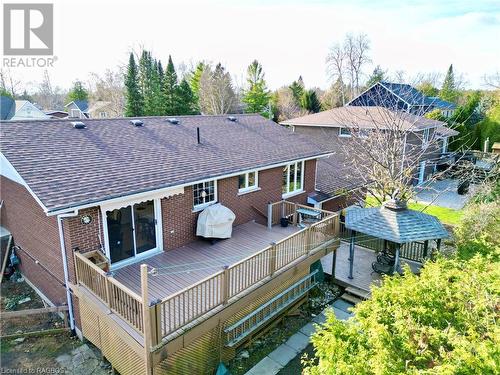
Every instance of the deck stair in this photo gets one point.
(355, 295)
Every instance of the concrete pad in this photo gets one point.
(298, 341)
(341, 314)
(283, 354)
(342, 305)
(265, 367)
(320, 318)
(308, 329)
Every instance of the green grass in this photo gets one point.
(445, 215)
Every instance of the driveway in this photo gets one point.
(442, 193)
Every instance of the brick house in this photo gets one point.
(333, 128)
(104, 214)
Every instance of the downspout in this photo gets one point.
(60, 218)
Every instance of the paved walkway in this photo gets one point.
(83, 361)
(287, 351)
(443, 193)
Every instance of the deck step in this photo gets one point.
(350, 298)
(361, 293)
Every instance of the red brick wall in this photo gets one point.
(37, 235)
(179, 220)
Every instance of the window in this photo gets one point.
(204, 194)
(247, 181)
(425, 137)
(103, 114)
(293, 178)
(344, 132)
(75, 113)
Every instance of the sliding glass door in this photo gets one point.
(131, 230)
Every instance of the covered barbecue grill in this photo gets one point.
(215, 221)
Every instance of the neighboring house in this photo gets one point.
(101, 109)
(78, 109)
(399, 96)
(495, 149)
(57, 114)
(89, 206)
(333, 127)
(13, 110)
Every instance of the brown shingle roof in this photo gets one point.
(66, 167)
(364, 118)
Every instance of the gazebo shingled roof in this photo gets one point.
(395, 223)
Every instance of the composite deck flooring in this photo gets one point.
(363, 275)
(186, 265)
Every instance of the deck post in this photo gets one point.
(351, 253)
(397, 266)
(146, 318)
(272, 258)
(295, 214)
(334, 262)
(426, 249)
(225, 285)
(269, 215)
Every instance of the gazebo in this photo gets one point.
(397, 225)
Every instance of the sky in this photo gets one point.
(289, 38)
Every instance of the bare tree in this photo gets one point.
(348, 60)
(492, 80)
(285, 104)
(216, 93)
(47, 96)
(9, 83)
(108, 88)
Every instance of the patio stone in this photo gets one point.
(283, 354)
(341, 314)
(342, 305)
(265, 367)
(298, 341)
(308, 329)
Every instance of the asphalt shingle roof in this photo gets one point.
(66, 167)
(399, 226)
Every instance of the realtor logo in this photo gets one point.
(28, 29)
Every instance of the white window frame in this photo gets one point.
(345, 135)
(205, 204)
(426, 134)
(158, 232)
(103, 114)
(289, 193)
(73, 111)
(248, 188)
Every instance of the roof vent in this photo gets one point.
(232, 118)
(137, 122)
(78, 125)
(173, 120)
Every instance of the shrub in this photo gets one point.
(441, 322)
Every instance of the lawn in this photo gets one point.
(445, 215)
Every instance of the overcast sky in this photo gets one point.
(290, 38)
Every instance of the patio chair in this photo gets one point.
(383, 269)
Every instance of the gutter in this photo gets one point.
(65, 265)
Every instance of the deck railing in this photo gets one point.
(414, 251)
(161, 318)
(119, 299)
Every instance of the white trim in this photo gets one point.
(200, 207)
(5, 165)
(289, 193)
(248, 188)
(158, 231)
(444, 147)
(249, 191)
(344, 135)
(160, 190)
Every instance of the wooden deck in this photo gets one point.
(363, 275)
(187, 265)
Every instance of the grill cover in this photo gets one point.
(215, 221)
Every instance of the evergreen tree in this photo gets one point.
(256, 97)
(297, 88)
(133, 97)
(78, 92)
(170, 91)
(449, 90)
(310, 101)
(194, 80)
(147, 84)
(378, 75)
(186, 99)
